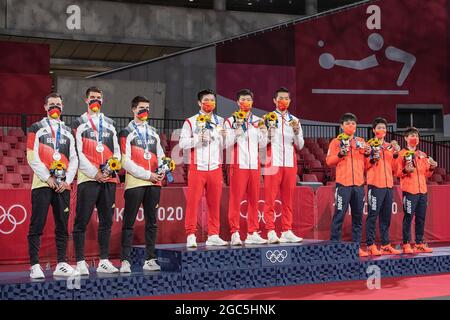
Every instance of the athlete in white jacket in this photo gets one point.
(243, 141)
(202, 137)
(280, 170)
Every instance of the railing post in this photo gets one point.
(23, 121)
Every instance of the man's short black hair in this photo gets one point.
(411, 130)
(348, 117)
(282, 89)
(377, 121)
(205, 92)
(244, 92)
(93, 89)
(138, 99)
(53, 95)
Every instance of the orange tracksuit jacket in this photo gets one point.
(416, 181)
(380, 173)
(350, 168)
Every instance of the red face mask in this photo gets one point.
(95, 105)
(380, 133)
(413, 141)
(245, 105)
(349, 129)
(208, 106)
(54, 112)
(283, 105)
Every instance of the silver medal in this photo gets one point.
(147, 155)
(56, 156)
(100, 148)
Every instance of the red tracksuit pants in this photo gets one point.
(243, 181)
(283, 180)
(210, 182)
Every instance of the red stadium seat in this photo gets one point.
(4, 148)
(322, 158)
(318, 152)
(26, 172)
(431, 183)
(29, 185)
(310, 178)
(315, 164)
(6, 186)
(15, 179)
(12, 140)
(447, 177)
(440, 171)
(10, 163)
(17, 132)
(331, 183)
(437, 178)
(304, 151)
(3, 172)
(309, 157)
(21, 146)
(18, 154)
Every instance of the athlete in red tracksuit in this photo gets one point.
(243, 141)
(280, 173)
(203, 140)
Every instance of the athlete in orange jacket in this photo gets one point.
(380, 166)
(413, 168)
(347, 153)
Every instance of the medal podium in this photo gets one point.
(205, 269)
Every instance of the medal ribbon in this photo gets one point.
(56, 139)
(99, 133)
(141, 137)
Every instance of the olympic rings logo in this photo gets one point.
(9, 217)
(261, 212)
(276, 255)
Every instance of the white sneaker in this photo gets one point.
(125, 267)
(151, 265)
(289, 236)
(64, 270)
(236, 239)
(105, 266)
(215, 240)
(191, 241)
(82, 268)
(255, 238)
(36, 272)
(272, 237)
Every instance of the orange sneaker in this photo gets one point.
(373, 250)
(388, 249)
(422, 248)
(407, 249)
(362, 253)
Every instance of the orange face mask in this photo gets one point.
(245, 105)
(380, 133)
(283, 104)
(413, 141)
(208, 106)
(349, 129)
